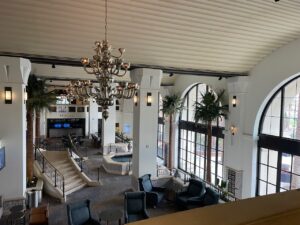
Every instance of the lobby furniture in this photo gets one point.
(135, 206)
(153, 194)
(110, 215)
(39, 215)
(193, 196)
(79, 213)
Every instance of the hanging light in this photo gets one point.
(104, 65)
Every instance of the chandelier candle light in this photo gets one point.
(105, 66)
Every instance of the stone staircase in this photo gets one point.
(66, 170)
(73, 180)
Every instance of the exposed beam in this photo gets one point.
(65, 61)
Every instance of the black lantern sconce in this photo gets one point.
(149, 98)
(8, 95)
(234, 100)
(135, 99)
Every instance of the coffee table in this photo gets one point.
(109, 215)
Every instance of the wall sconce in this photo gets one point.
(25, 96)
(8, 95)
(233, 101)
(233, 129)
(135, 99)
(149, 98)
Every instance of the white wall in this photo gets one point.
(13, 126)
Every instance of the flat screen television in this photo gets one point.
(57, 125)
(67, 125)
(2, 158)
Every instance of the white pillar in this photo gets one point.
(43, 123)
(145, 122)
(108, 127)
(239, 153)
(93, 116)
(14, 73)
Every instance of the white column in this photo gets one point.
(43, 123)
(145, 122)
(14, 73)
(108, 127)
(93, 117)
(239, 153)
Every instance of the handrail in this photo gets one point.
(73, 146)
(44, 163)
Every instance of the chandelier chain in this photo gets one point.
(105, 20)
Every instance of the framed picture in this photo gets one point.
(2, 158)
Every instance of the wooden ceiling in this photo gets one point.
(214, 35)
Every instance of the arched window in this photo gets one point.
(192, 139)
(279, 142)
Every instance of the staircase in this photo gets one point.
(73, 180)
(60, 175)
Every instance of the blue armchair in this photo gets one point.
(135, 206)
(194, 194)
(153, 194)
(79, 213)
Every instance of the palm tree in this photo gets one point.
(172, 104)
(38, 99)
(208, 110)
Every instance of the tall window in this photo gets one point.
(161, 153)
(192, 139)
(278, 166)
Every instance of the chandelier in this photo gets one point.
(105, 66)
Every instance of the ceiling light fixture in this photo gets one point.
(105, 66)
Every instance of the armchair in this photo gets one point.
(193, 196)
(79, 213)
(135, 206)
(153, 194)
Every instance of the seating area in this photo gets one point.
(160, 112)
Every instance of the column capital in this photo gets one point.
(147, 78)
(14, 70)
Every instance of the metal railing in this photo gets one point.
(224, 195)
(73, 150)
(49, 170)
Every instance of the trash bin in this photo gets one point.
(32, 199)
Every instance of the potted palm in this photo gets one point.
(172, 104)
(209, 110)
(38, 99)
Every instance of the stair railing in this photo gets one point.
(49, 170)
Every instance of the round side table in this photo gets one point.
(109, 215)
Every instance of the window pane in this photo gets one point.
(271, 189)
(296, 165)
(285, 180)
(271, 122)
(263, 172)
(264, 156)
(272, 175)
(273, 156)
(262, 188)
(295, 182)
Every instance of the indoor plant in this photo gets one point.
(208, 110)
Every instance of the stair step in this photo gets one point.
(74, 184)
(70, 179)
(75, 189)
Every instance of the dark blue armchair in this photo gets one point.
(194, 194)
(197, 195)
(79, 213)
(135, 206)
(153, 194)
